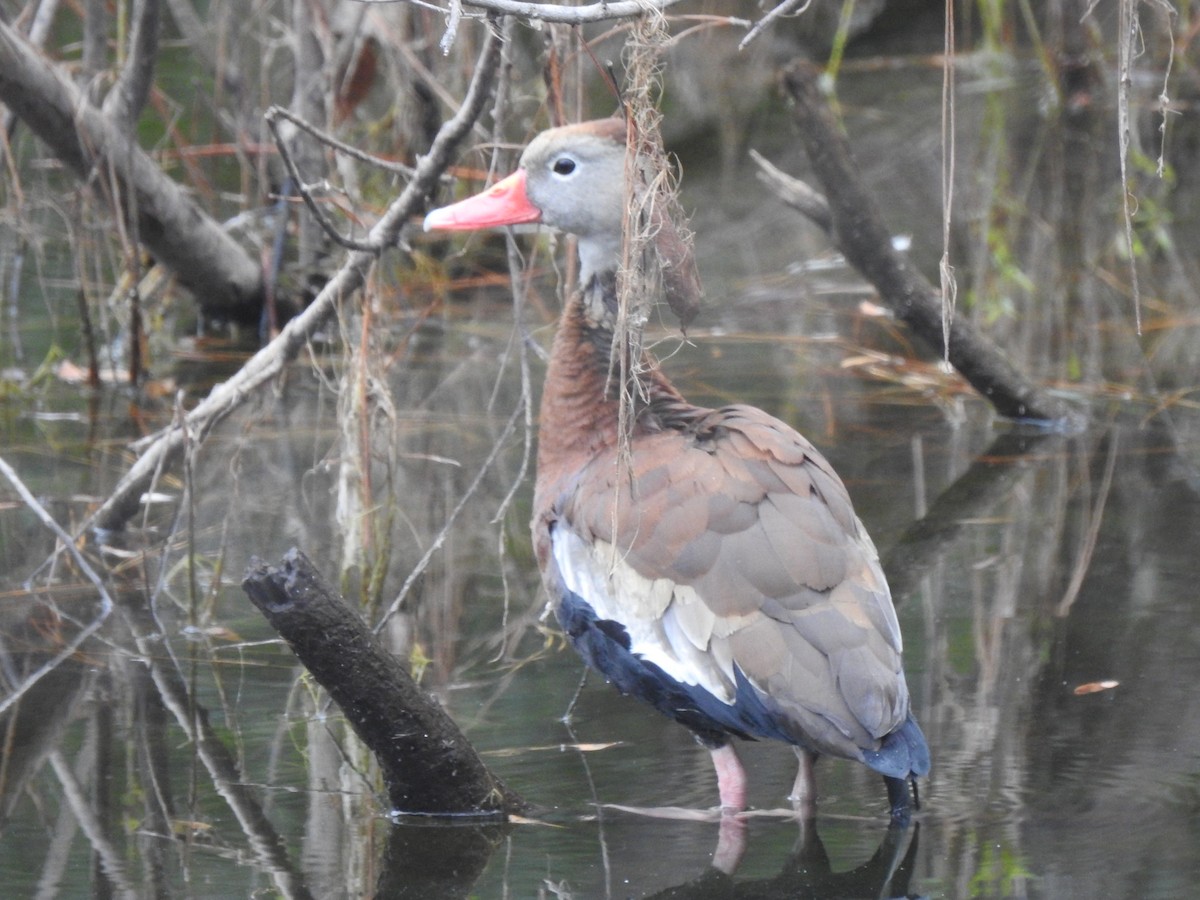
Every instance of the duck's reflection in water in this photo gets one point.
(807, 871)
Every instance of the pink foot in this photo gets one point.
(731, 778)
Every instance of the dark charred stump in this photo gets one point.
(429, 766)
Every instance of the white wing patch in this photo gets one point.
(668, 624)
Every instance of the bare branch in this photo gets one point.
(558, 13)
(110, 859)
(206, 260)
(344, 148)
(786, 8)
(39, 29)
(797, 194)
(277, 112)
(269, 361)
(95, 44)
(242, 797)
(125, 101)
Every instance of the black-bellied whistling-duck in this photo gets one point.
(718, 571)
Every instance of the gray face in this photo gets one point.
(577, 179)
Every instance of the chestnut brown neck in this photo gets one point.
(581, 399)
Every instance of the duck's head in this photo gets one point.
(570, 178)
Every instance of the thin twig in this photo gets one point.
(945, 270)
(1094, 518)
(1164, 96)
(367, 246)
(452, 20)
(783, 9)
(605, 861)
(346, 149)
(526, 403)
(440, 539)
(515, 269)
(1127, 36)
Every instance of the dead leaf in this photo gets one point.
(1094, 687)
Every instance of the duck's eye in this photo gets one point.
(564, 166)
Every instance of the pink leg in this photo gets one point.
(804, 790)
(731, 778)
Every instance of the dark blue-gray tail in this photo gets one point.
(904, 753)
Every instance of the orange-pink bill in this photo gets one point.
(504, 203)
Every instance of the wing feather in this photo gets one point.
(733, 547)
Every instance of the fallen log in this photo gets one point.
(97, 146)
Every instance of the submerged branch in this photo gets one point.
(106, 602)
(429, 766)
(110, 861)
(177, 696)
(858, 229)
(974, 495)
